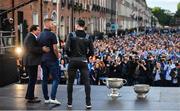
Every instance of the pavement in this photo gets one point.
(158, 99)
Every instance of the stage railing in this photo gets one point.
(7, 41)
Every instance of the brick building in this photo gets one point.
(96, 13)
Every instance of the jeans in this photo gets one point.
(83, 68)
(53, 69)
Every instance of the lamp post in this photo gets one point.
(72, 16)
(137, 22)
(57, 19)
(41, 14)
(116, 32)
(13, 11)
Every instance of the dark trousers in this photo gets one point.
(83, 68)
(32, 72)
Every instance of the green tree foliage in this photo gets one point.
(178, 10)
(164, 16)
(178, 6)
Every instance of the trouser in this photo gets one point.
(53, 69)
(83, 68)
(32, 72)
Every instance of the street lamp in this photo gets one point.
(57, 20)
(72, 16)
(19, 51)
(137, 18)
(116, 32)
(41, 13)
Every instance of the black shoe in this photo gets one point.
(33, 101)
(35, 97)
(31, 98)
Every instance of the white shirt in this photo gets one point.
(34, 35)
(169, 67)
(64, 68)
(157, 76)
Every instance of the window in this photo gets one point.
(63, 3)
(45, 16)
(54, 1)
(69, 1)
(46, 1)
(35, 19)
(54, 17)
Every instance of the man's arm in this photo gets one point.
(91, 47)
(30, 44)
(67, 45)
(55, 47)
(56, 52)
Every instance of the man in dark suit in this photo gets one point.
(32, 58)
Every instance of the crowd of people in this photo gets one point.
(147, 59)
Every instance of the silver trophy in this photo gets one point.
(114, 84)
(141, 90)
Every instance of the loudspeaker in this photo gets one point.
(8, 69)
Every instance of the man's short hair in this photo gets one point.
(33, 28)
(81, 22)
(47, 20)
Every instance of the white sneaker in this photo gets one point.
(55, 101)
(47, 101)
(88, 106)
(69, 105)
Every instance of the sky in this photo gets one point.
(164, 4)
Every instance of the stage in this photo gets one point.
(159, 98)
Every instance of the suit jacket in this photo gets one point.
(33, 51)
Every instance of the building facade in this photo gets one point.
(133, 14)
(98, 14)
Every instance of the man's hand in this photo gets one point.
(59, 55)
(45, 49)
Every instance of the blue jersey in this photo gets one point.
(48, 38)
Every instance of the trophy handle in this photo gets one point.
(124, 81)
(104, 81)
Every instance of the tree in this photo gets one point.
(178, 10)
(178, 6)
(177, 13)
(164, 16)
